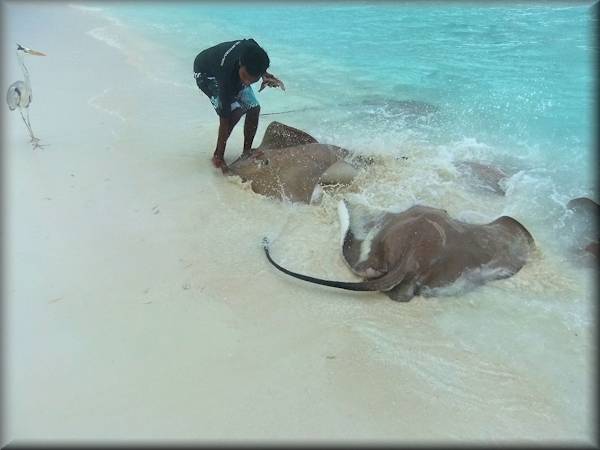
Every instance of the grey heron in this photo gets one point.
(19, 93)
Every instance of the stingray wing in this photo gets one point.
(279, 135)
(359, 226)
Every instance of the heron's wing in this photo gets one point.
(14, 95)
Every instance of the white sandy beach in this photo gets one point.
(138, 304)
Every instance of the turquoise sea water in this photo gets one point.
(517, 77)
(511, 85)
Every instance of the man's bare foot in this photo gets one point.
(218, 162)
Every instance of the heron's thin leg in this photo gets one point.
(27, 125)
(35, 141)
(33, 138)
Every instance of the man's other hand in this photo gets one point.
(271, 81)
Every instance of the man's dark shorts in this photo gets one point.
(245, 99)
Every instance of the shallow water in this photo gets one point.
(510, 86)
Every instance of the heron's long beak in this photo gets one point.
(34, 52)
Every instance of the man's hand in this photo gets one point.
(271, 81)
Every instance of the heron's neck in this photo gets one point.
(24, 69)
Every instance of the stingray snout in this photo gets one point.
(247, 166)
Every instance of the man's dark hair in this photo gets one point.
(256, 60)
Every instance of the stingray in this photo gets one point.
(486, 176)
(403, 107)
(586, 217)
(291, 164)
(423, 251)
(380, 112)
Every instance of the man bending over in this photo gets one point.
(225, 74)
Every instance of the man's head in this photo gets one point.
(254, 62)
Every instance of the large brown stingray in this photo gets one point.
(423, 249)
(291, 164)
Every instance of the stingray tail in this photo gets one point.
(383, 283)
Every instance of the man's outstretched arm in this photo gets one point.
(226, 125)
(224, 121)
(219, 156)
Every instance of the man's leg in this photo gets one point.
(235, 117)
(250, 126)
